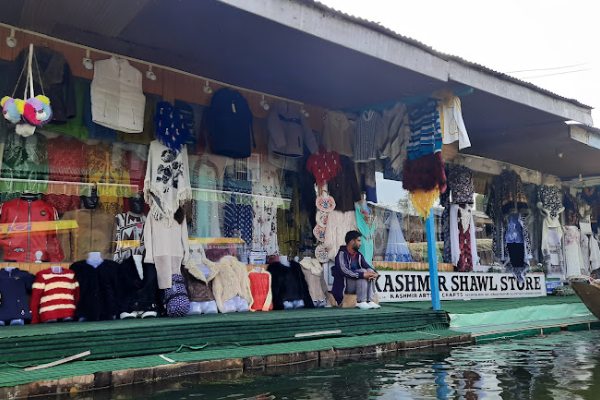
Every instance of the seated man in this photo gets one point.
(353, 275)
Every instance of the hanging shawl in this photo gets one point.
(167, 184)
(172, 125)
(424, 176)
(460, 184)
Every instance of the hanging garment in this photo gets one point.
(366, 176)
(260, 286)
(267, 199)
(462, 238)
(15, 288)
(424, 174)
(54, 295)
(573, 258)
(315, 279)
(66, 162)
(289, 219)
(74, 126)
(551, 244)
(26, 160)
(337, 133)
(590, 253)
(397, 248)
(460, 184)
(116, 95)
(397, 125)
(167, 180)
(338, 224)
(30, 227)
(204, 176)
(289, 130)
(238, 214)
(128, 235)
(93, 233)
(137, 293)
(451, 121)
(166, 247)
(511, 192)
(366, 226)
(324, 166)
(231, 282)
(369, 125)
(229, 124)
(54, 80)
(106, 168)
(98, 290)
(344, 187)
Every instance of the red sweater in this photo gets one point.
(54, 295)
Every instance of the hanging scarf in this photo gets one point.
(172, 126)
(424, 176)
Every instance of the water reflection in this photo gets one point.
(559, 366)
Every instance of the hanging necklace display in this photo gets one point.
(34, 111)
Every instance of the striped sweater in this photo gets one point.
(54, 295)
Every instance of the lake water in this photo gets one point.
(559, 366)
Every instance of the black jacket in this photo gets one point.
(15, 289)
(344, 187)
(54, 74)
(288, 284)
(98, 289)
(135, 293)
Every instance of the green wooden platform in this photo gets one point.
(35, 344)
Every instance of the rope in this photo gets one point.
(37, 66)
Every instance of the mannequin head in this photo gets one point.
(90, 202)
(136, 204)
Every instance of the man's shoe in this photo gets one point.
(126, 315)
(363, 305)
(373, 305)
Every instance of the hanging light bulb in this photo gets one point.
(150, 74)
(304, 112)
(11, 41)
(264, 104)
(87, 61)
(207, 89)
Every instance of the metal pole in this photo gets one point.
(432, 258)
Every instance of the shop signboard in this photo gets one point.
(400, 286)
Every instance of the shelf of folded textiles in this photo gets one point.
(33, 267)
(410, 266)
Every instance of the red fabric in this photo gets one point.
(465, 261)
(137, 169)
(66, 159)
(48, 284)
(63, 202)
(324, 166)
(424, 173)
(260, 286)
(22, 238)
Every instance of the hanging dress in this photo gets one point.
(573, 257)
(396, 249)
(366, 226)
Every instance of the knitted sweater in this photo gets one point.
(54, 295)
(231, 280)
(260, 285)
(98, 299)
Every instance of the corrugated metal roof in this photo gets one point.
(448, 57)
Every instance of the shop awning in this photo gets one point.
(302, 50)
